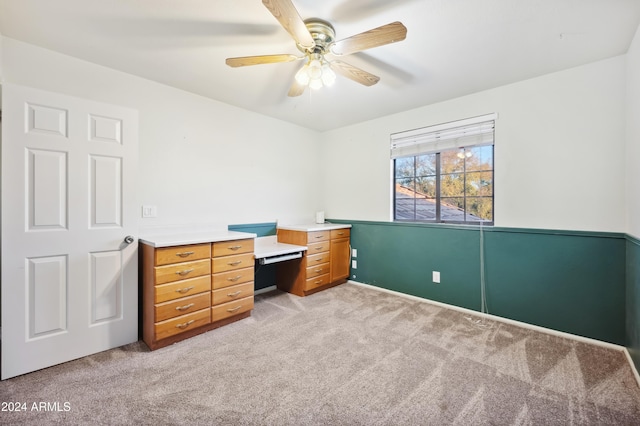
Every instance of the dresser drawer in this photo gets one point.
(169, 255)
(230, 263)
(230, 309)
(226, 248)
(176, 290)
(226, 279)
(315, 248)
(182, 306)
(317, 282)
(317, 270)
(182, 323)
(340, 233)
(317, 259)
(315, 236)
(228, 294)
(181, 271)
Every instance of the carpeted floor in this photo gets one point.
(346, 356)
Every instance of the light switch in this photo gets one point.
(149, 211)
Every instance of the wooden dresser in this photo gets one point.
(325, 263)
(188, 289)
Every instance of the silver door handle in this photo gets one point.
(129, 239)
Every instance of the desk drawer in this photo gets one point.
(317, 270)
(182, 323)
(340, 233)
(226, 248)
(228, 294)
(230, 263)
(180, 254)
(229, 309)
(316, 236)
(316, 248)
(182, 306)
(226, 279)
(316, 282)
(181, 271)
(317, 259)
(176, 290)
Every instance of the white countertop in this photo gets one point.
(269, 246)
(311, 227)
(186, 238)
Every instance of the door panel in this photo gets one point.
(47, 183)
(47, 295)
(69, 282)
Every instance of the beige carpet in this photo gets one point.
(346, 356)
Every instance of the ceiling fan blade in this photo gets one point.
(244, 61)
(296, 89)
(380, 36)
(288, 16)
(354, 73)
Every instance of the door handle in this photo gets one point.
(129, 239)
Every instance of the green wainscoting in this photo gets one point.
(260, 229)
(567, 281)
(633, 299)
(265, 275)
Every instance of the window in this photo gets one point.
(444, 173)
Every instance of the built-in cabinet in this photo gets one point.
(325, 263)
(188, 289)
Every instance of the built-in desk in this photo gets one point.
(268, 250)
(194, 282)
(324, 264)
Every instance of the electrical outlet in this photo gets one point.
(436, 277)
(354, 252)
(354, 264)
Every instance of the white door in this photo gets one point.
(69, 280)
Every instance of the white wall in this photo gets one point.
(633, 138)
(559, 153)
(201, 161)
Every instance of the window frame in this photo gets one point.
(438, 197)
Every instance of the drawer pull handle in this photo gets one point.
(185, 253)
(318, 282)
(185, 324)
(319, 260)
(319, 248)
(185, 272)
(318, 236)
(234, 279)
(184, 290)
(234, 248)
(234, 309)
(237, 262)
(234, 294)
(185, 307)
(340, 233)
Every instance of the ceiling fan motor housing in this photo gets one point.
(322, 33)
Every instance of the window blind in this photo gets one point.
(462, 133)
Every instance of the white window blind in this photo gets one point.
(462, 133)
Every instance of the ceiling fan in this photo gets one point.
(315, 38)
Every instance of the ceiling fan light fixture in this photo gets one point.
(316, 74)
(328, 76)
(315, 83)
(302, 76)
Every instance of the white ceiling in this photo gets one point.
(453, 47)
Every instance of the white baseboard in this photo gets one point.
(265, 290)
(512, 322)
